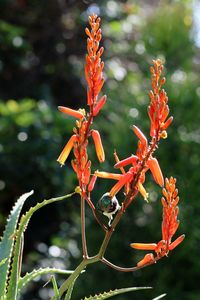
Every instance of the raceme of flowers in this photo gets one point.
(133, 168)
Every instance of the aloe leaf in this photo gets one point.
(7, 241)
(15, 268)
(23, 281)
(55, 287)
(70, 290)
(115, 292)
(159, 297)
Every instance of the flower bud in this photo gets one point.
(98, 145)
(140, 135)
(99, 105)
(143, 246)
(156, 171)
(176, 242)
(148, 259)
(127, 161)
(92, 183)
(71, 112)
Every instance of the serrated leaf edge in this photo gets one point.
(41, 271)
(14, 277)
(115, 292)
(17, 206)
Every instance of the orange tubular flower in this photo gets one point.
(141, 136)
(170, 225)
(92, 183)
(156, 171)
(142, 191)
(141, 246)
(99, 105)
(98, 145)
(148, 259)
(71, 112)
(67, 149)
(107, 175)
(127, 161)
(125, 178)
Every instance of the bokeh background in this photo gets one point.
(42, 50)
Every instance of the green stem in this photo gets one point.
(67, 283)
(83, 234)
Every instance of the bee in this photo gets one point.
(108, 206)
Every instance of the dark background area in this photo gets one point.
(42, 51)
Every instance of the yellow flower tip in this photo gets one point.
(98, 145)
(143, 246)
(148, 259)
(163, 134)
(72, 112)
(142, 191)
(82, 111)
(67, 149)
(78, 190)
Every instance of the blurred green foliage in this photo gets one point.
(42, 50)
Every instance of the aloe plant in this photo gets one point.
(130, 178)
(11, 249)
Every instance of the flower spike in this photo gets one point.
(170, 224)
(158, 109)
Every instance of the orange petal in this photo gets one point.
(92, 183)
(67, 149)
(108, 175)
(167, 123)
(140, 135)
(123, 180)
(127, 161)
(71, 112)
(89, 94)
(99, 105)
(98, 145)
(148, 259)
(142, 246)
(156, 171)
(176, 242)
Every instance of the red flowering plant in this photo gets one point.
(130, 179)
